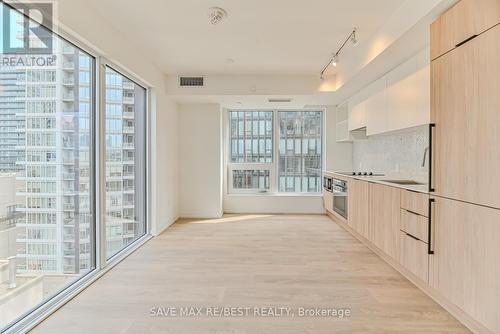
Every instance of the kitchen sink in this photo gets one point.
(404, 182)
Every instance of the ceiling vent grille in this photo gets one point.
(279, 100)
(191, 81)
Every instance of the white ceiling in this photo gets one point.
(261, 36)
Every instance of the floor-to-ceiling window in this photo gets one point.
(55, 148)
(46, 173)
(125, 152)
(274, 151)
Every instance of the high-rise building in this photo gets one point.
(11, 119)
(49, 111)
(56, 160)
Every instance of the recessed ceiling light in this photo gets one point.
(216, 15)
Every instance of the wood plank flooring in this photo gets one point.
(252, 261)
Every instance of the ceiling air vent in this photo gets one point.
(191, 81)
(279, 100)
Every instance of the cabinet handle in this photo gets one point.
(466, 40)
(430, 251)
(431, 152)
(411, 236)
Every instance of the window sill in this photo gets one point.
(274, 195)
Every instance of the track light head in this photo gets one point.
(335, 60)
(354, 39)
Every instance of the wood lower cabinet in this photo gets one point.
(467, 18)
(413, 255)
(465, 267)
(328, 201)
(384, 213)
(466, 111)
(358, 195)
(415, 202)
(415, 225)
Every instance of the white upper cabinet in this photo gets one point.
(376, 111)
(357, 116)
(399, 100)
(408, 101)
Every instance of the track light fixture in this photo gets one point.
(335, 60)
(335, 57)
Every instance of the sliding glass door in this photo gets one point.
(125, 157)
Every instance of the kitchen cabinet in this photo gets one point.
(415, 202)
(408, 101)
(464, 20)
(342, 123)
(358, 195)
(357, 116)
(384, 213)
(415, 225)
(465, 267)
(465, 110)
(376, 113)
(399, 100)
(413, 255)
(328, 201)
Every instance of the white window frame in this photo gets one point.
(273, 166)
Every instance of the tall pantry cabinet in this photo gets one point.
(465, 171)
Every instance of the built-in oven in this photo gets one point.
(339, 189)
(327, 183)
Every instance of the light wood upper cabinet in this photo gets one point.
(358, 206)
(464, 20)
(384, 213)
(465, 267)
(466, 110)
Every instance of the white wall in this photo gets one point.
(165, 167)
(200, 160)
(275, 203)
(77, 19)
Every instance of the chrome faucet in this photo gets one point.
(425, 156)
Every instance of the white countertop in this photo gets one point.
(421, 188)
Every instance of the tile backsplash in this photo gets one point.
(399, 154)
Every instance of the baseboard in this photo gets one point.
(172, 221)
(454, 310)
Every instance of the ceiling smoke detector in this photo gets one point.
(216, 15)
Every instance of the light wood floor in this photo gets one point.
(252, 261)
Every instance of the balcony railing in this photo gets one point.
(69, 176)
(68, 96)
(128, 100)
(69, 206)
(69, 81)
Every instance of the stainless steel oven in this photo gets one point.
(339, 189)
(327, 183)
